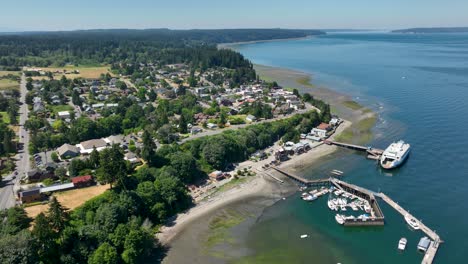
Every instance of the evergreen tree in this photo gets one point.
(57, 215)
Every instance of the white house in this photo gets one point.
(63, 114)
(86, 147)
(321, 131)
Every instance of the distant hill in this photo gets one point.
(201, 35)
(433, 30)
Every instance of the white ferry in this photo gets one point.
(395, 155)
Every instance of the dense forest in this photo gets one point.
(197, 47)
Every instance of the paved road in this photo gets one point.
(209, 132)
(9, 185)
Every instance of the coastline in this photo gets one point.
(232, 45)
(262, 187)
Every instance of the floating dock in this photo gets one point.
(434, 246)
(371, 197)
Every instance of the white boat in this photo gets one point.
(309, 197)
(339, 219)
(304, 236)
(354, 207)
(343, 208)
(395, 155)
(331, 205)
(402, 243)
(412, 222)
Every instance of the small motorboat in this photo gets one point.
(304, 236)
(413, 223)
(402, 243)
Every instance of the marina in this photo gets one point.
(376, 217)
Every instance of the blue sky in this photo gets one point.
(183, 14)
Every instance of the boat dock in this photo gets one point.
(302, 181)
(433, 247)
(377, 218)
(372, 153)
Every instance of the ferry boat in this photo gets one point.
(402, 243)
(394, 155)
(412, 222)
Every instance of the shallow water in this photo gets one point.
(418, 84)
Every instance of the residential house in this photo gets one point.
(63, 114)
(68, 151)
(322, 131)
(82, 181)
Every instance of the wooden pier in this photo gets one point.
(302, 181)
(372, 153)
(433, 247)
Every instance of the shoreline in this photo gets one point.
(231, 45)
(262, 186)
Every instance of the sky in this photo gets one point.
(33, 15)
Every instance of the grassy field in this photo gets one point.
(69, 199)
(6, 84)
(5, 73)
(87, 72)
(60, 108)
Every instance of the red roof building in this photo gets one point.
(324, 126)
(82, 181)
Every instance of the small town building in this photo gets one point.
(67, 151)
(322, 131)
(29, 196)
(63, 114)
(36, 175)
(217, 175)
(86, 147)
(335, 121)
(82, 181)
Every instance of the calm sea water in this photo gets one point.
(419, 86)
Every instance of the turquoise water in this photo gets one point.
(418, 84)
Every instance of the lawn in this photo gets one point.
(60, 108)
(6, 84)
(69, 199)
(87, 72)
(5, 117)
(5, 73)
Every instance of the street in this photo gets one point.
(12, 182)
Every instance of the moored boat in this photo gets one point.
(413, 223)
(402, 243)
(339, 219)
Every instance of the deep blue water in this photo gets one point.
(419, 86)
